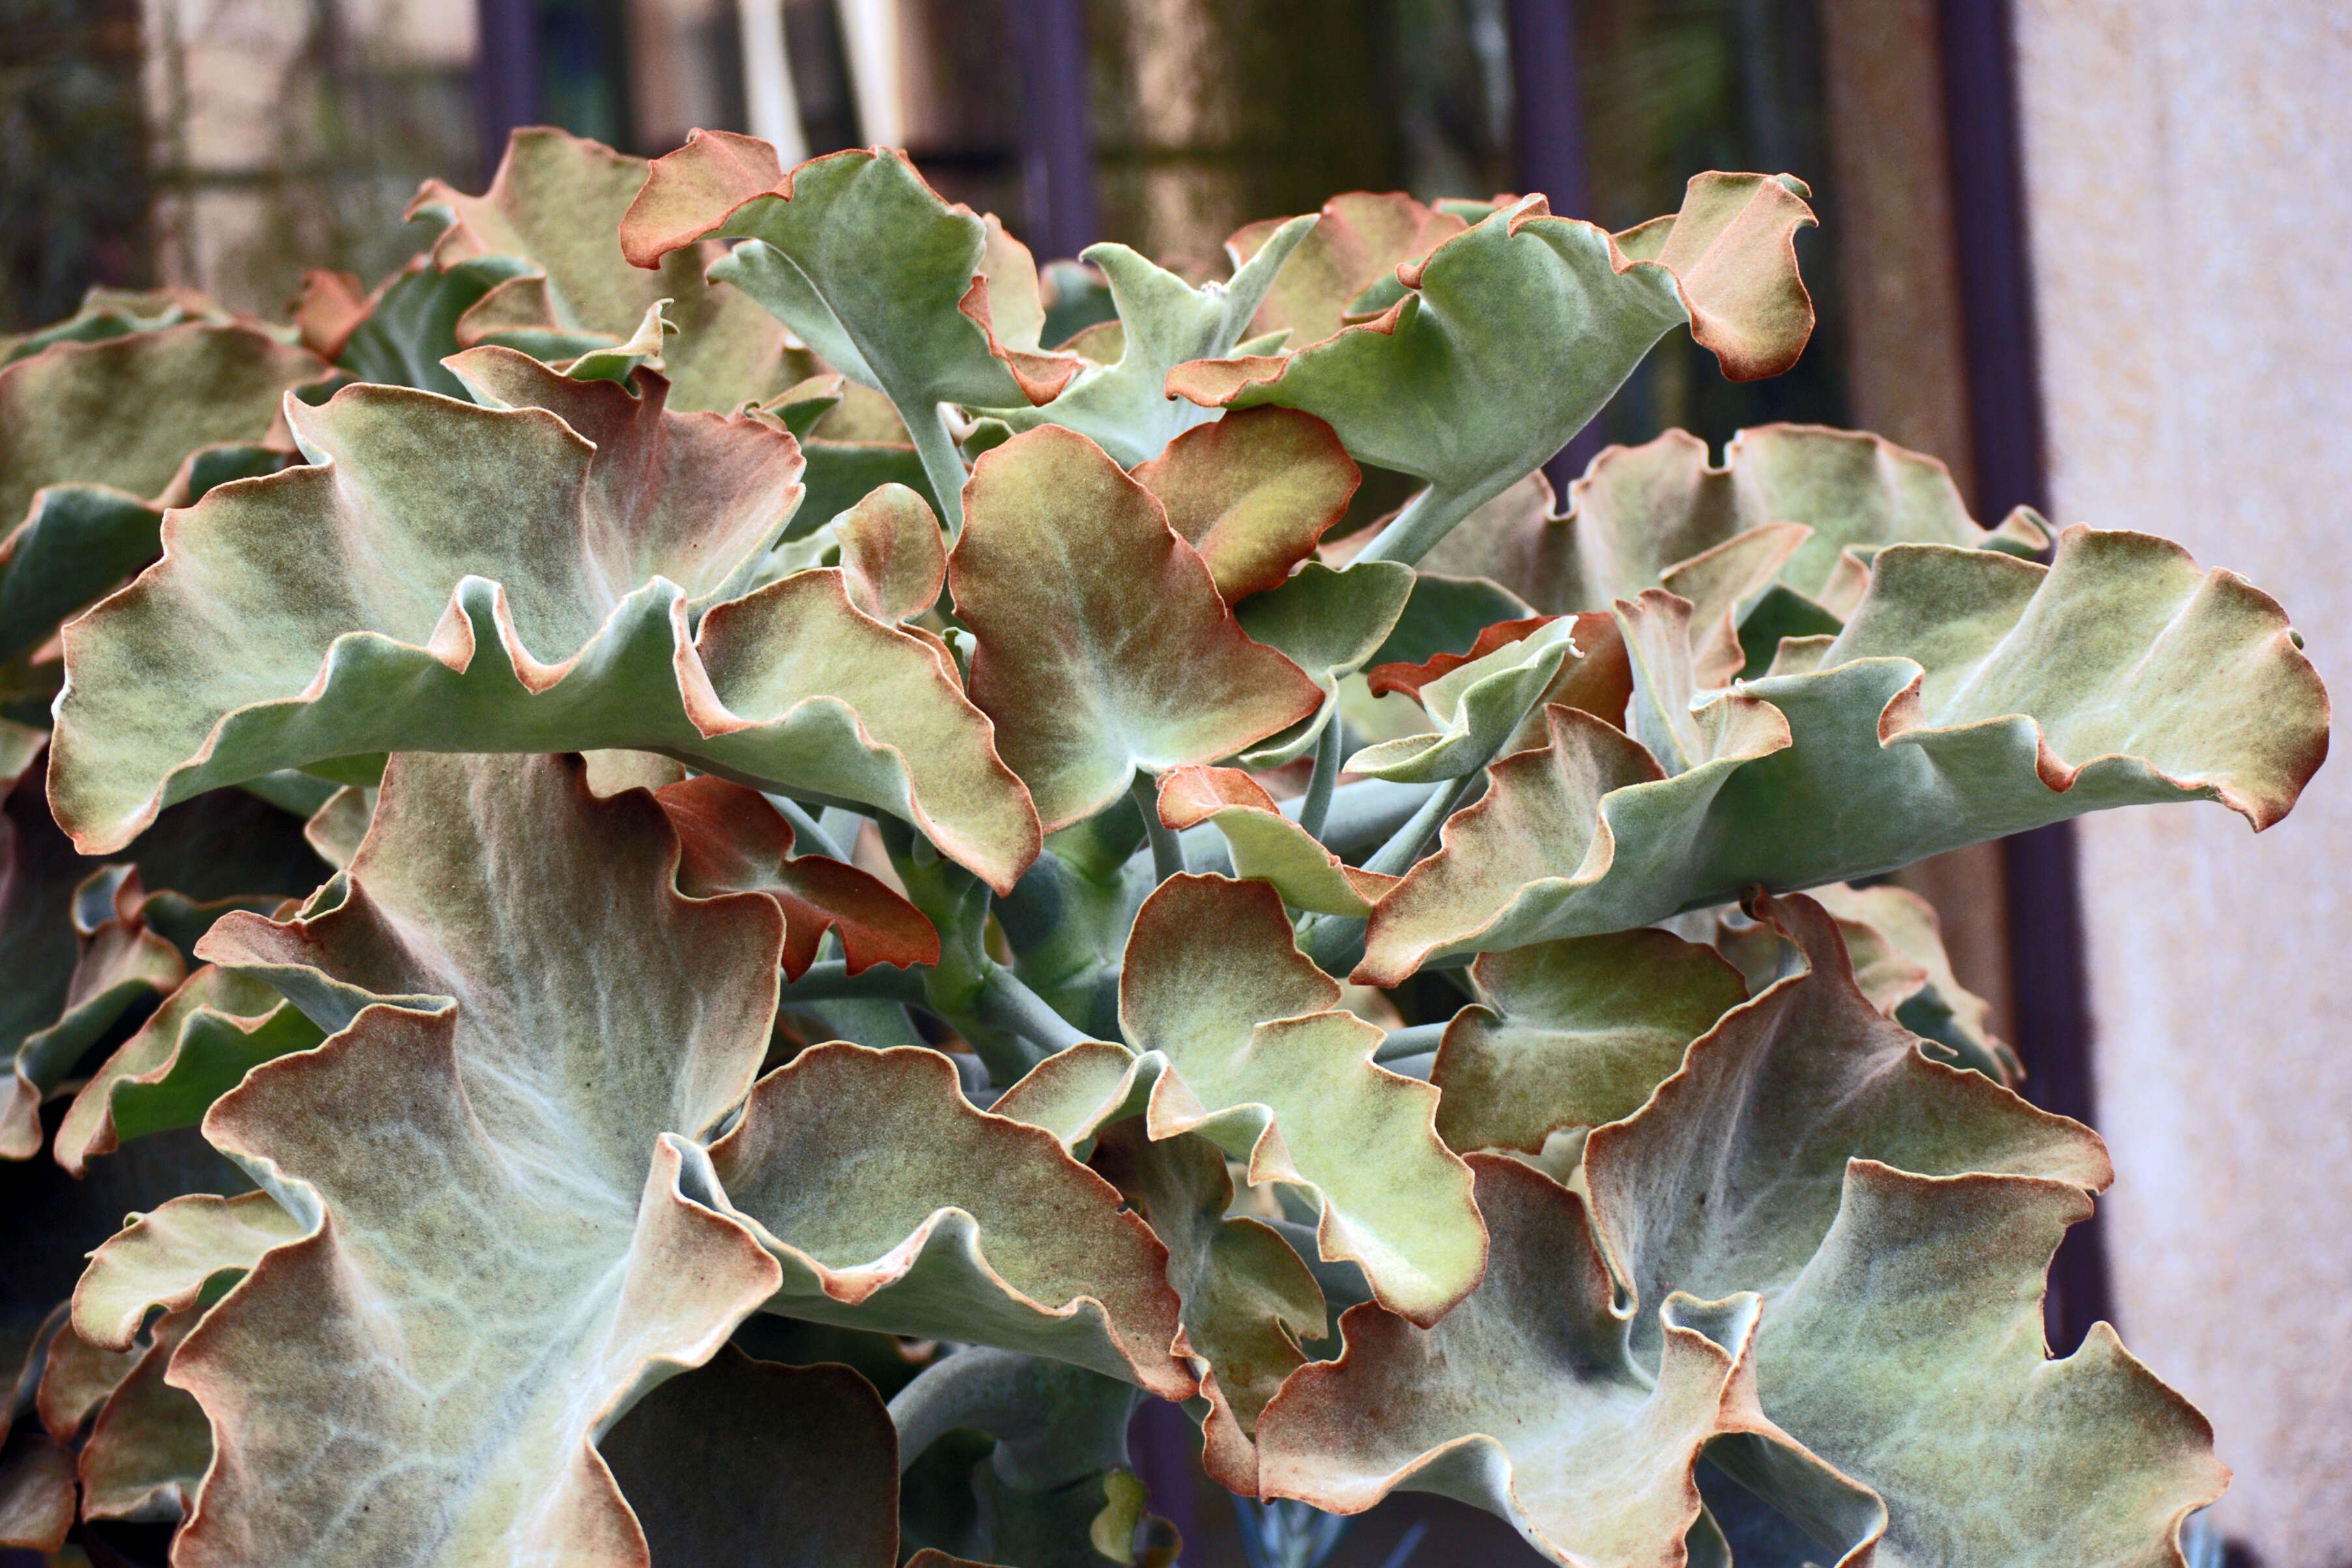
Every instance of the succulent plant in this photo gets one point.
(707, 830)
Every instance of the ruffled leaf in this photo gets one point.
(1361, 238)
(1972, 695)
(1253, 493)
(1527, 1399)
(892, 553)
(356, 607)
(1573, 1034)
(1512, 334)
(498, 1207)
(1328, 622)
(555, 204)
(1260, 1061)
(731, 841)
(1248, 1298)
(1102, 644)
(893, 1205)
(173, 1257)
(867, 266)
(1124, 406)
(1267, 844)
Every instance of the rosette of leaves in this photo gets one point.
(947, 941)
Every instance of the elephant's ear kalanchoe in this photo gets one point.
(777, 894)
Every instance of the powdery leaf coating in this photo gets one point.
(1102, 644)
(731, 840)
(359, 605)
(1260, 1061)
(488, 1161)
(892, 553)
(1253, 493)
(555, 204)
(125, 413)
(1729, 1176)
(165, 1257)
(1267, 844)
(894, 1205)
(1573, 1034)
(1512, 334)
(192, 1049)
(1972, 695)
(1909, 1354)
(1528, 1400)
(1248, 1298)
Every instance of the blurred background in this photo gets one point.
(2090, 253)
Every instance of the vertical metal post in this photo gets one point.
(1548, 142)
(1057, 130)
(505, 74)
(2004, 391)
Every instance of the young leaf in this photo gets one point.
(1103, 645)
(1361, 238)
(1260, 1061)
(1125, 406)
(1267, 844)
(865, 263)
(1514, 333)
(1972, 695)
(555, 204)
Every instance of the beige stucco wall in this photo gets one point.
(2192, 245)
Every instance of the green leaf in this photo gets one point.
(1529, 1401)
(194, 1048)
(1248, 1299)
(1573, 1034)
(399, 335)
(127, 411)
(1514, 333)
(173, 1257)
(1445, 615)
(868, 266)
(1253, 493)
(893, 1205)
(555, 205)
(1479, 707)
(1972, 695)
(1267, 844)
(1125, 407)
(1328, 622)
(1909, 1354)
(488, 1161)
(1895, 1213)
(149, 1447)
(892, 553)
(356, 607)
(119, 964)
(1103, 645)
(1260, 1061)
(114, 313)
(1729, 1177)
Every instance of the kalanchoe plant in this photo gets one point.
(717, 829)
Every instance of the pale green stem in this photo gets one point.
(942, 464)
(1004, 1002)
(1428, 517)
(829, 979)
(1397, 856)
(1419, 1039)
(809, 837)
(1167, 846)
(1317, 808)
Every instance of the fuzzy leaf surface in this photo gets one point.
(1972, 695)
(1514, 333)
(358, 606)
(1103, 645)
